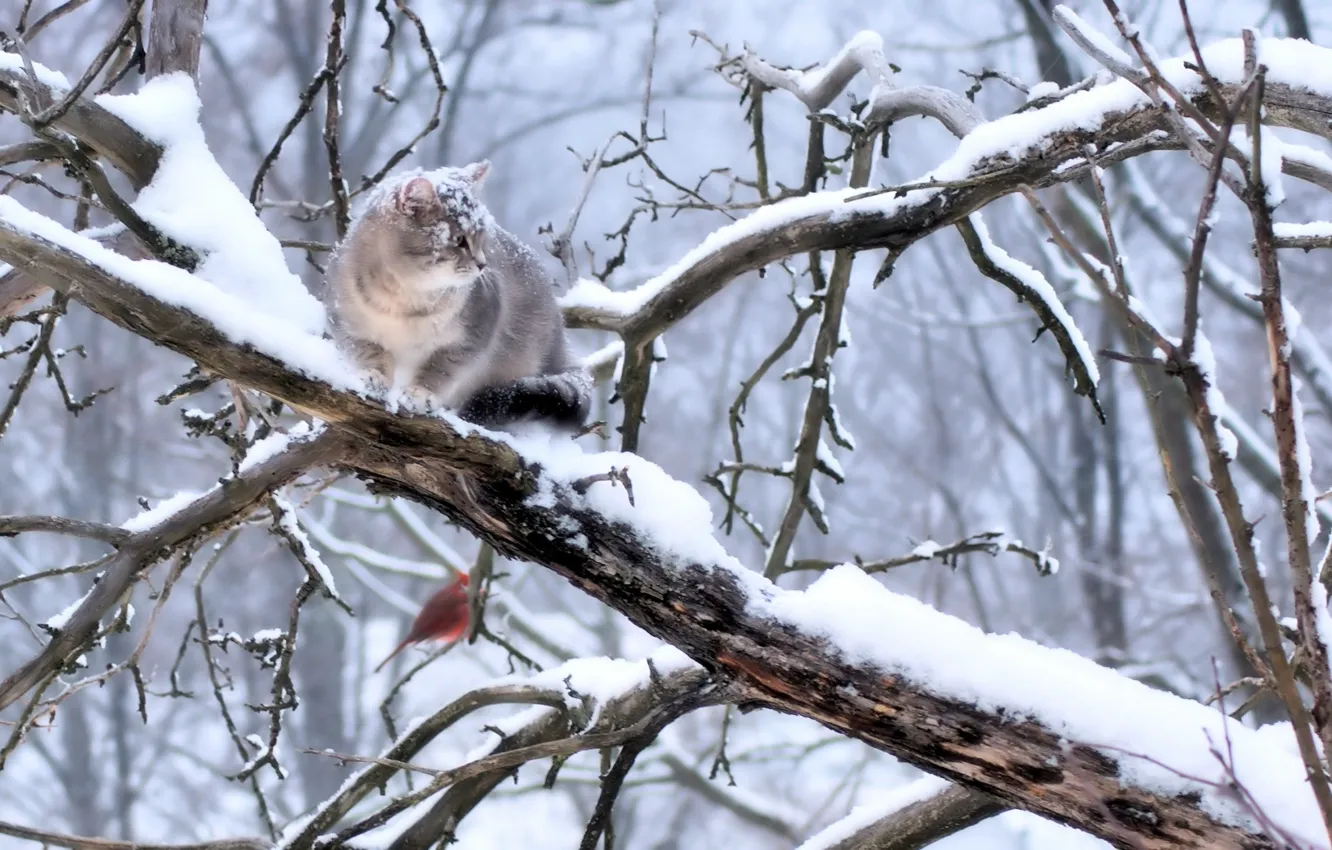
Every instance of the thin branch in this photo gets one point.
(214, 510)
(113, 535)
(987, 542)
(76, 842)
(335, 61)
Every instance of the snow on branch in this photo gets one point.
(109, 136)
(1307, 353)
(1038, 147)
(575, 705)
(1030, 285)
(1308, 235)
(157, 532)
(1034, 148)
(915, 815)
(239, 254)
(817, 88)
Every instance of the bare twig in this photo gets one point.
(12, 525)
(989, 542)
(77, 842)
(210, 512)
(332, 116)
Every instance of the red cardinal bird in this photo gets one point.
(445, 618)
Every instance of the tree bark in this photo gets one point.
(175, 36)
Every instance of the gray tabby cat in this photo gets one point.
(431, 296)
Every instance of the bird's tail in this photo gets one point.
(400, 648)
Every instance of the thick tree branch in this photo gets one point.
(175, 36)
(107, 135)
(923, 822)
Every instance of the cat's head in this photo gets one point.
(441, 223)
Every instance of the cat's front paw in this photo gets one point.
(420, 398)
(375, 381)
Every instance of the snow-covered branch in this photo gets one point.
(816, 88)
(177, 522)
(921, 813)
(1310, 235)
(572, 705)
(109, 136)
(1034, 148)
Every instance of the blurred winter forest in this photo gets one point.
(960, 465)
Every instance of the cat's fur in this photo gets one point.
(431, 296)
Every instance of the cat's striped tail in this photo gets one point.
(562, 400)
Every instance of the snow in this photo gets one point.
(1035, 281)
(667, 513)
(863, 42)
(1305, 155)
(1309, 356)
(264, 753)
(58, 621)
(603, 679)
(1287, 230)
(288, 522)
(1322, 619)
(1068, 17)
(838, 428)
(268, 635)
(1304, 460)
(1293, 62)
(1269, 167)
(260, 452)
(56, 80)
(232, 315)
(825, 456)
(595, 296)
(165, 509)
(1070, 695)
(274, 444)
(1041, 89)
(869, 813)
(608, 353)
(928, 549)
(870, 625)
(192, 200)
(816, 502)
(1205, 360)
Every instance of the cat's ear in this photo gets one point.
(417, 198)
(476, 173)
